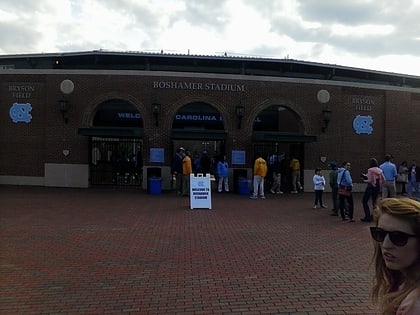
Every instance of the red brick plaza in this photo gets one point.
(92, 251)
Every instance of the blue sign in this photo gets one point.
(157, 155)
(238, 157)
(363, 125)
(19, 112)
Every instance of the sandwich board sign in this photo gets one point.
(200, 191)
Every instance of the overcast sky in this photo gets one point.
(380, 35)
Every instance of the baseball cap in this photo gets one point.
(181, 148)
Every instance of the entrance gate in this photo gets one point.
(290, 150)
(116, 162)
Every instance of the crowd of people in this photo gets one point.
(183, 165)
(280, 173)
(283, 173)
(395, 230)
(396, 221)
(381, 180)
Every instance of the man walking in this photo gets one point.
(295, 166)
(260, 171)
(390, 173)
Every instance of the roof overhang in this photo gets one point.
(128, 132)
(267, 136)
(201, 134)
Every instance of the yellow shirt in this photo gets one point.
(295, 165)
(186, 165)
(260, 167)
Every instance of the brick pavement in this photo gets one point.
(90, 251)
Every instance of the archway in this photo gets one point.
(115, 144)
(278, 135)
(199, 127)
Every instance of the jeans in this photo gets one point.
(296, 180)
(334, 196)
(223, 182)
(186, 184)
(318, 197)
(258, 186)
(342, 203)
(389, 189)
(370, 192)
(276, 182)
(413, 185)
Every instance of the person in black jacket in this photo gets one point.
(176, 169)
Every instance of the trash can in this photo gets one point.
(152, 172)
(237, 174)
(155, 185)
(243, 186)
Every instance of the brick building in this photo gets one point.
(69, 119)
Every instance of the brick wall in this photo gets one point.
(26, 147)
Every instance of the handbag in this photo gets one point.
(343, 190)
(403, 178)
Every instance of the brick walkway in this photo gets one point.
(90, 251)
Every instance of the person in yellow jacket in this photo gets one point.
(186, 171)
(260, 171)
(295, 167)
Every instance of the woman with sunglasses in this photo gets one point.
(397, 256)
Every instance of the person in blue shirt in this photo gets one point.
(390, 173)
(223, 173)
(345, 182)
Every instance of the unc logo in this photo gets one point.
(200, 184)
(362, 125)
(19, 112)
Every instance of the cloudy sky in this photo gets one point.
(381, 35)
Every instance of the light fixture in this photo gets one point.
(326, 118)
(66, 87)
(239, 114)
(156, 111)
(63, 106)
(323, 97)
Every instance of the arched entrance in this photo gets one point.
(199, 128)
(115, 144)
(279, 131)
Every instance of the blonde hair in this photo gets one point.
(385, 291)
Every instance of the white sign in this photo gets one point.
(200, 191)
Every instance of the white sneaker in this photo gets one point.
(279, 193)
(253, 197)
(272, 191)
(262, 197)
(294, 192)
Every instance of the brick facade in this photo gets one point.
(26, 148)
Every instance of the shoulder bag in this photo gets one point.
(343, 190)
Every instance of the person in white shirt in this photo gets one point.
(319, 186)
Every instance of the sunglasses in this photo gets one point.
(397, 238)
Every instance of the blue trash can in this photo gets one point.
(243, 186)
(155, 185)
